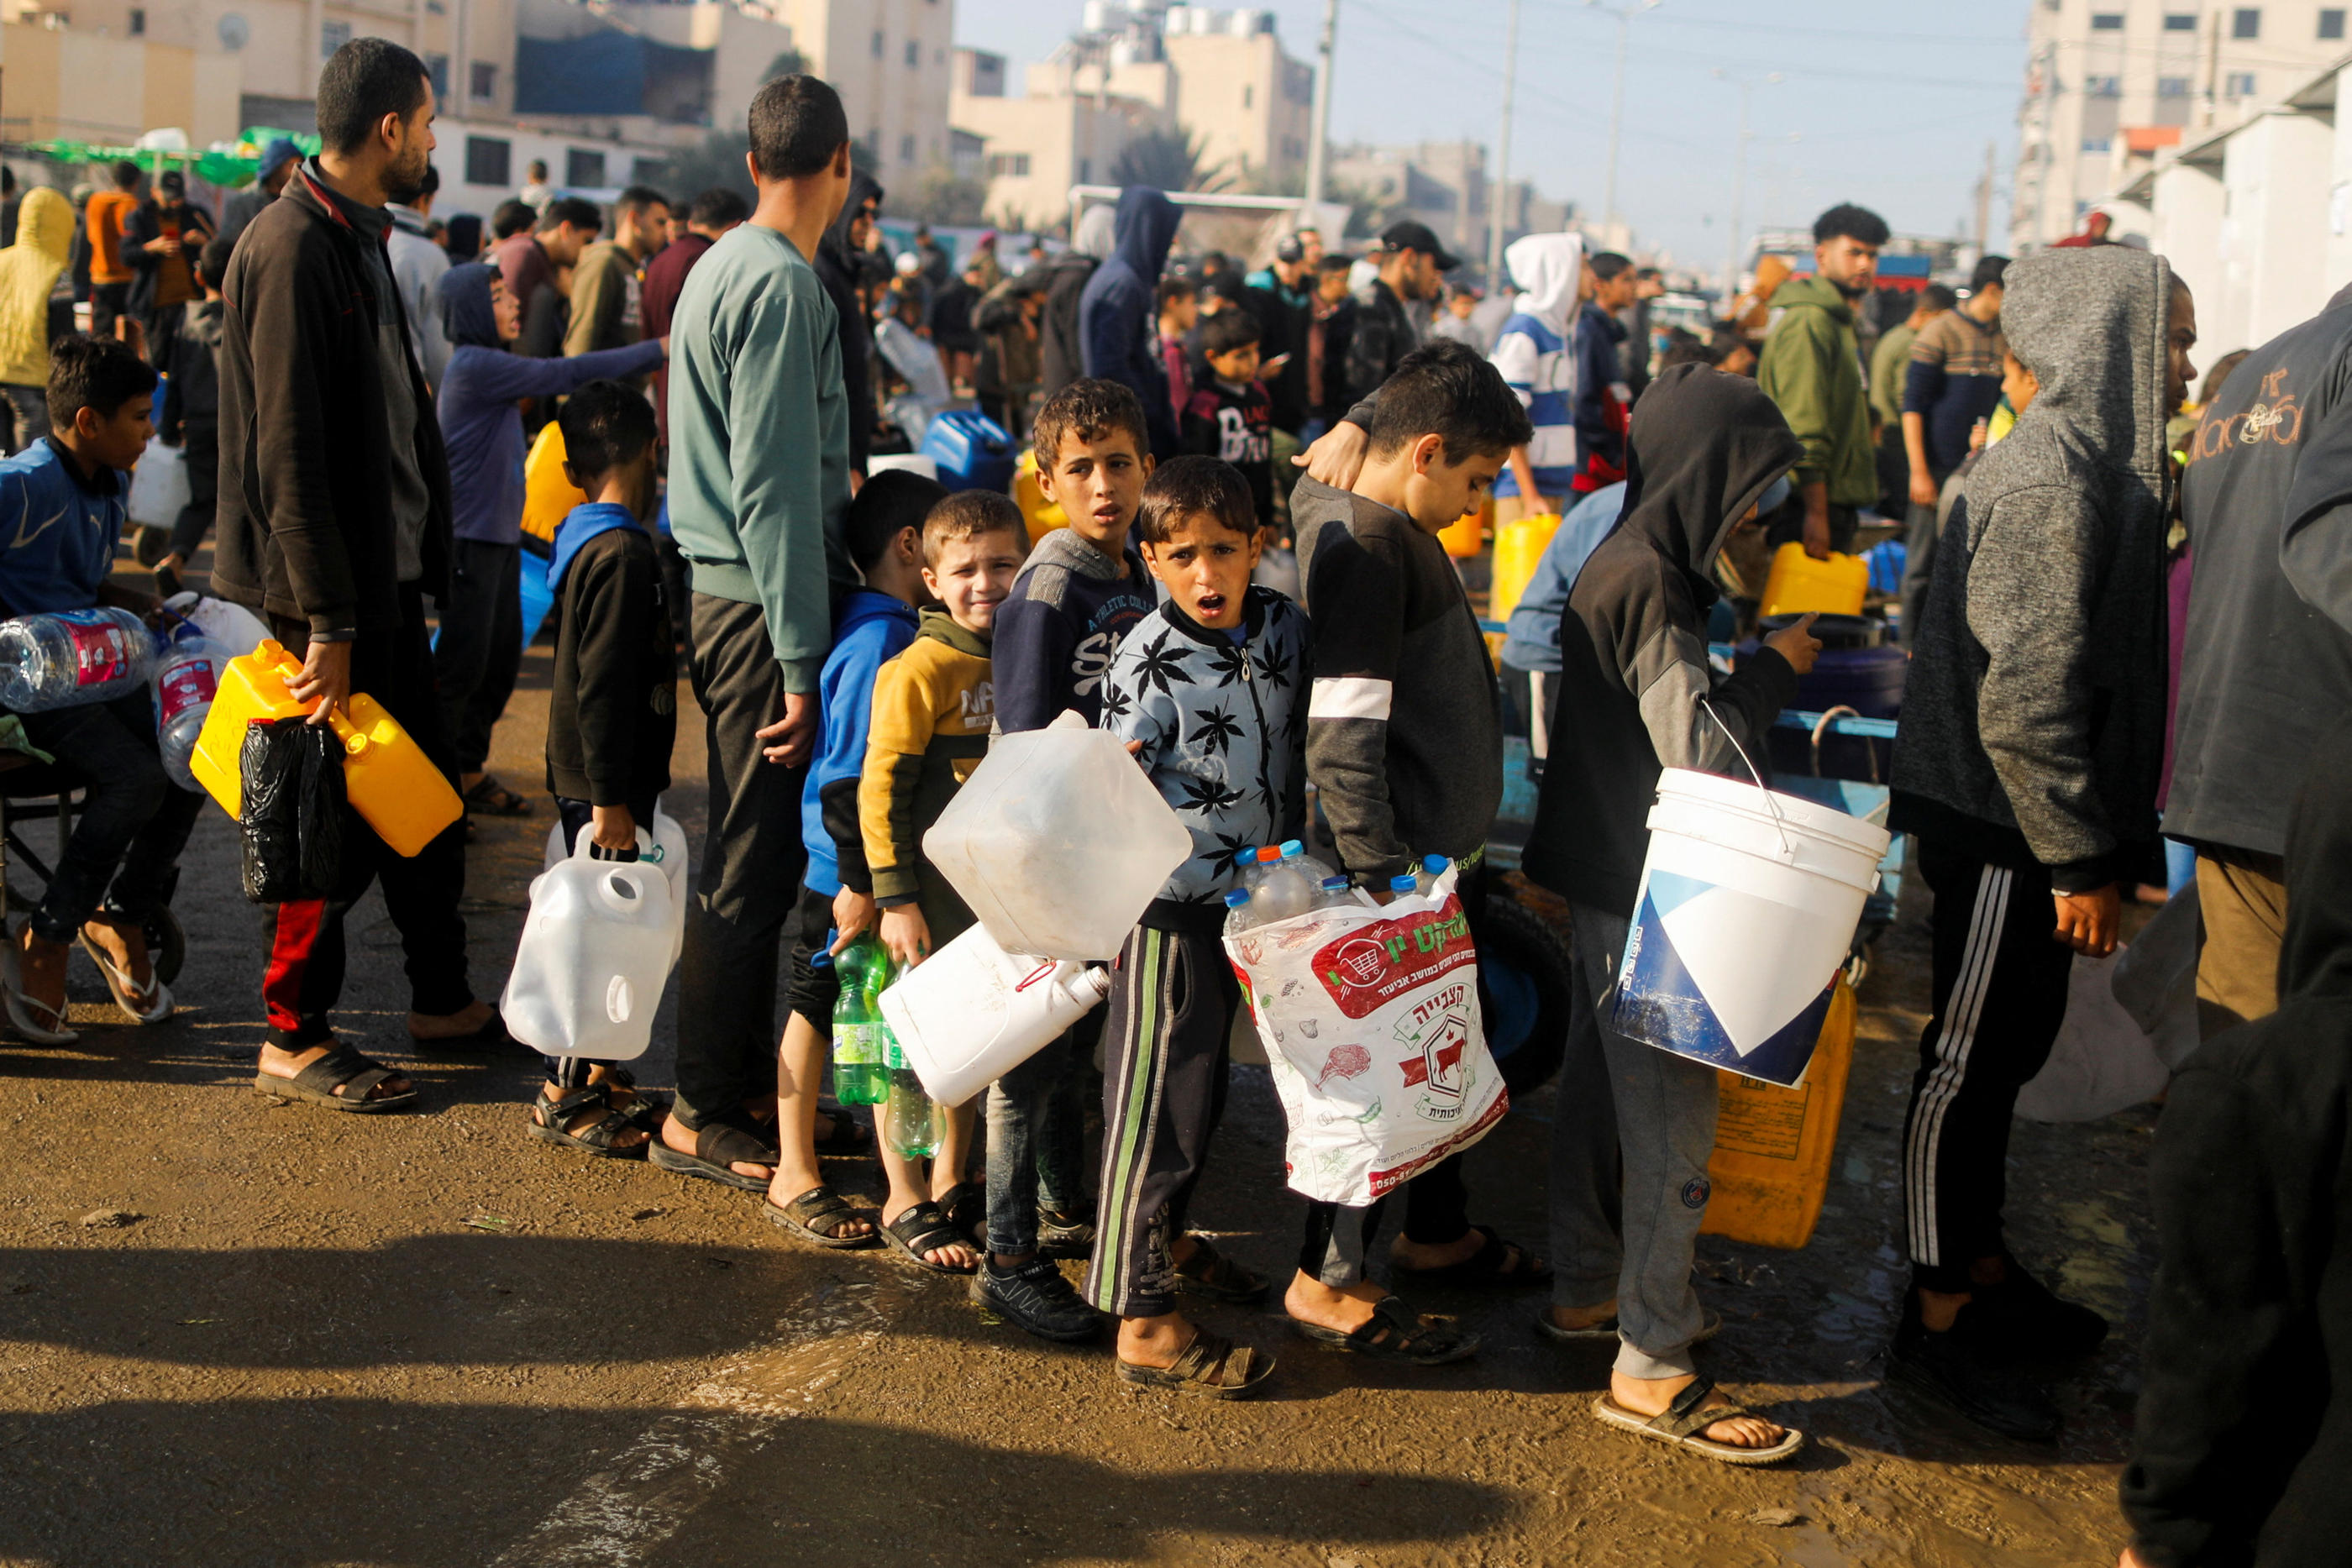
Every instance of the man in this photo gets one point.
(839, 266)
(1888, 366)
(1454, 321)
(1061, 355)
(1118, 312)
(1390, 309)
(527, 259)
(334, 524)
(1331, 329)
(417, 264)
(278, 161)
(2267, 664)
(1811, 367)
(1601, 400)
(608, 294)
(2032, 736)
(758, 481)
(112, 272)
(1282, 295)
(1648, 285)
(1951, 380)
(536, 193)
(954, 336)
(713, 214)
(161, 240)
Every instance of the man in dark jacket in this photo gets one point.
(2242, 1446)
(1392, 309)
(334, 524)
(160, 241)
(278, 161)
(1062, 357)
(2267, 665)
(1283, 295)
(2033, 735)
(837, 267)
(1118, 313)
(192, 405)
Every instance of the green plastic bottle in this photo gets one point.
(859, 1077)
(910, 1121)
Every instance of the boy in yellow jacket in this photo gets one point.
(933, 706)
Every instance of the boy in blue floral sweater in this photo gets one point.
(1210, 691)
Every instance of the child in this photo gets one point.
(1180, 312)
(883, 531)
(1404, 745)
(1207, 690)
(192, 408)
(1230, 415)
(612, 714)
(933, 708)
(62, 503)
(1634, 674)
(1083, 590)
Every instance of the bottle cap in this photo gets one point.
(1246, 857)
(1268, 855)
(1236, 898)
(1400, 884)
(1292, 848)
(1335, 884)
(1434, 864)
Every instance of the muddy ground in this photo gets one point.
(426, 1339)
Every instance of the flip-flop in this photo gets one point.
(1497, 1263)
(1710, 1325)
(717, 1147)
(342, 1067)
(24, 1011)
(152, 1006)
(808, 1215)
(1681, 1423)
(1396, 1332)
(1211, 1367)
(923, 1228)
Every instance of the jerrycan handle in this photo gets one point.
(288, 669)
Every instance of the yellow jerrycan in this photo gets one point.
(1799, 583)
(1042, 515)
(1465, 536)
(548, 496)
(391, 784)
(1773, 1146)
(1518, 550)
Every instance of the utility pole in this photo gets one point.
(1498, 195)
(1984, 206)
(1624, 15)
(1318, 139)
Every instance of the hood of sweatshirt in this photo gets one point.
(204, 321)
(1703, 448)
(939, 624)
(1146, 228)
(1813, 293)
(1547, 269)
(583, 523)
(2315, 958)
(2090, 325)
(834, 246)
(863, 606)
(466, 315)
(44, 225)
(1096, 232)
(1065, 549)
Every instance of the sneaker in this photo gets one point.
(2029, 1323)
(1958, 1369)
(1034, 1297)
(1061, 1235)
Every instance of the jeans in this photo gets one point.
(479, 651)
(133, 823)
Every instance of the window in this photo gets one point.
(2181, 21)
(2106, 21)
(1086, 171)
(905, 149)
(2331, 23)
(1245, 95)
(649, 171)
(2246, 22)
(486, 80)
(877, 42)
(2095, 143)
(490, 159)
(2239, 83)
(139, 23)
(332, 36)
(2172, 87)
(914, 54)
(2103, 87)
(583, 169)
(1014, 164)
(437, 67)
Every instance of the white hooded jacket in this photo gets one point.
(1535, 354)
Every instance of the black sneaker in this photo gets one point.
(1033, 1296)
(1063, 1235)
(1961, 1371)
(2029, 1322)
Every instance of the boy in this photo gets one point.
(1404, 739)
(62, 503)
(1633, 671)
(1083, 590)
(1180, 312)
(884, 535)
(612, 713)
(1206, 690)
(191, 407)
(932, 707)
(1231, 417)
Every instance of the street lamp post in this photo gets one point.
(1499, 196)
(1746, 85)
(1318, 137)
(1624, 15)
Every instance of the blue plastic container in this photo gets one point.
(974, 452)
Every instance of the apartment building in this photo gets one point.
(1039, 144)
(2112, 85)
(889, 59)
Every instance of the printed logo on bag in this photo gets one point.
(1437, 1031)
(1375, 964)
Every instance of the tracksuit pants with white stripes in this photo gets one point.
(2000, 994)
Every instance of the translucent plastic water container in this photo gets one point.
(185, 679)
(971, 1012)
(660, 842)
(233, 626)
(589, 972)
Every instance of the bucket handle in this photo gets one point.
(1780, 825)
(1823, 728)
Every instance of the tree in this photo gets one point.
(1168, 161)
(717, 161)
(940, 196)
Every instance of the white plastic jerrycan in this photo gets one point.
(664, 844)
(1057, 842)
(594, 958)
(971, 1012)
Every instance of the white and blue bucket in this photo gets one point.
(1749, 902)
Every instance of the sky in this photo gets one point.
(1890, 106)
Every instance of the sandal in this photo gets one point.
(1211, 1275)
(1710, 1325)
(812, 1216)
(1497, 1262)
(34, 1019)
(492, 799)
(966, 1207)
(847, 1140)
(1681, 1423)
(719, 1147)
(923, 1228)
(1396, 1332)
(1211, 1367)
(600, 1138)
(341, 1068)
(151, 1004)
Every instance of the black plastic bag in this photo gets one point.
(291, 776)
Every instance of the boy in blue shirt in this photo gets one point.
(62, 504)
(882, 532)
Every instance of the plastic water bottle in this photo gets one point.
(72, 656)
(1239, 916)
(1337, 893)
(1285, 888)
(1295, 856)
(185, 679)
(1403, 885)
(910, 1121)
(1432, 868)
(858, 1076)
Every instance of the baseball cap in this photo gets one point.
(280, 151)
(1292, 248)
(173, 182)
(1410, 235)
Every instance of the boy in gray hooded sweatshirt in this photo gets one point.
(2032, 735)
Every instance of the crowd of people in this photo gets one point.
(2126, 615)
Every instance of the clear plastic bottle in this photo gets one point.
(72, 656)
(859, 1077)
(185, 679)
(1337, 893)
(910, 1120)
(1239, 916)
(1294, 855)
(1403, 885)
(1432, 868)
(1285, 888)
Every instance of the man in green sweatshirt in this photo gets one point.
(759, 480)
(1812, 369)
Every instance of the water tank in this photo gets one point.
(1097, 17)
(1249, 24)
